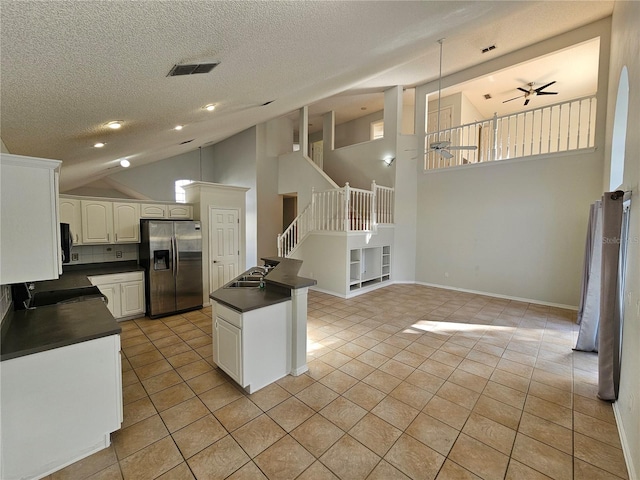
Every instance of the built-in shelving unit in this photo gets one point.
(369, 266)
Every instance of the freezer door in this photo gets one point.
(188, 240)
(161, 289)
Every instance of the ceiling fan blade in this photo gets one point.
(441, 144)
(463, 147)
(445, 154)
(514, 98)
(526, 102)
(544, 86)
(547, 93)
(523, 90)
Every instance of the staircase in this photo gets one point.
(343, 209)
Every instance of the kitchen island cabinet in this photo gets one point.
(124, 292)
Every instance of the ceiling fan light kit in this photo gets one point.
(531, 92)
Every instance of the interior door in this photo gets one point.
(224, 246)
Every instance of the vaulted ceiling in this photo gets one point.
(69, 68)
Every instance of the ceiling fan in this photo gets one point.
(442, 147)
(532, 91)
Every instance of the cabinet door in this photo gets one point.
(112, 292)
(126, 222)
(151, 210)
(132, 298)
(180, 211)
(97, 221)
(70, 213)
(228, 349)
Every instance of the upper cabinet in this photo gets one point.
(153, 210)
(70, 213)
(97, 221)
(180, 210)
(29, 226)
(126, 222)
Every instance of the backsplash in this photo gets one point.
(103, 253)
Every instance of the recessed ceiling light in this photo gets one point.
(99, 145)
(210, 108)
(178, 127)
(125, 163)
(115, 125)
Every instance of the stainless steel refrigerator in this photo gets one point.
(171, 253)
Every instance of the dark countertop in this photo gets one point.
(278, 285)
(54, 326)
(75, 276)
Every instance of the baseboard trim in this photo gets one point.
(626, 450)
(300, 370)
(497, 295)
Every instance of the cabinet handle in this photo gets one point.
(77, 241)
(116, 237)
(108, 238)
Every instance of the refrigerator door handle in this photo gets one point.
(177, 255)
(173, 256)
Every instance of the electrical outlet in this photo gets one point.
(118, 254)
(74, 257)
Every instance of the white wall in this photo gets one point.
(625, 50)
(298, 174)
(324, 256)
(356, 131)
(512, 228)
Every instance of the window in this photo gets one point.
(180, 193)
(377, 129)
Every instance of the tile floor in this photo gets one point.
(404, 382)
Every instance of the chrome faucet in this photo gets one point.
(258, 270)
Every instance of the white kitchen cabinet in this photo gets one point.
(97, 221)
(70, 212)
(126, 222)
(180, 211)
(29, 225)
(254, 347)
(124, 292)
(59, 406)
(153, 210)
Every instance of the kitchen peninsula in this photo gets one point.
(260, 330)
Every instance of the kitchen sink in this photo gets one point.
(71, 295)
(244, 283)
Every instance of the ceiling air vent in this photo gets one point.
(187, 141)
(488, 49)
(487, 96)
(192, 69)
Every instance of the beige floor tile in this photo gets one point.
(112, 472)
(479, 458)
(318, 369)
(452, 471)
(411, 395)
(290, 413)
(364, 395)
(547, 432)
(510, 380)
(385, 471)
(561, 382)
(184, 358)
(447, 412)
(421, 349)
(133, 392)
(141, 359)
(372, 358)
(395, 412)
(183, 414)
(356, 369)
(194, 369)
(375, 434)
(206, 381)
(218, 460)
(335, 358)
(490, 433)
(198, 435)
(249, 471)
(152, 369)
(600, 430)
(476, 368)
(269, 396)
(397, 369)
(350, 349)
(551, 394)
(382, 381)
(136, 411)
(88, 466)
(174, 349)
(447, 358)
(519, 471)
(317, 471)
(257, 435)
(139, 435)
(543, 458)
(349, 459)
(237, 413)
(414, 458)
(433, 433)
(426, 381)
(594, 408)
(409, 358)
(436, 368)
(284, 459)
(317, 434)
(293, 384)
(317, 396)
(599, 454)
(160, 382)
(220, 396)
(458, 395)
(151, 461)
(343, 413)
(171, 396)
(585, 471)
(549, 411)
(507, 395)
(500, 412)
(338, 381)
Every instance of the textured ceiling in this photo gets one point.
(68, 68)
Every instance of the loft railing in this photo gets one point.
(560, 127)
(344, 209)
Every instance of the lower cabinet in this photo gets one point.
(124, 292)
(368, 266)
(254, 347)
(59, 406)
